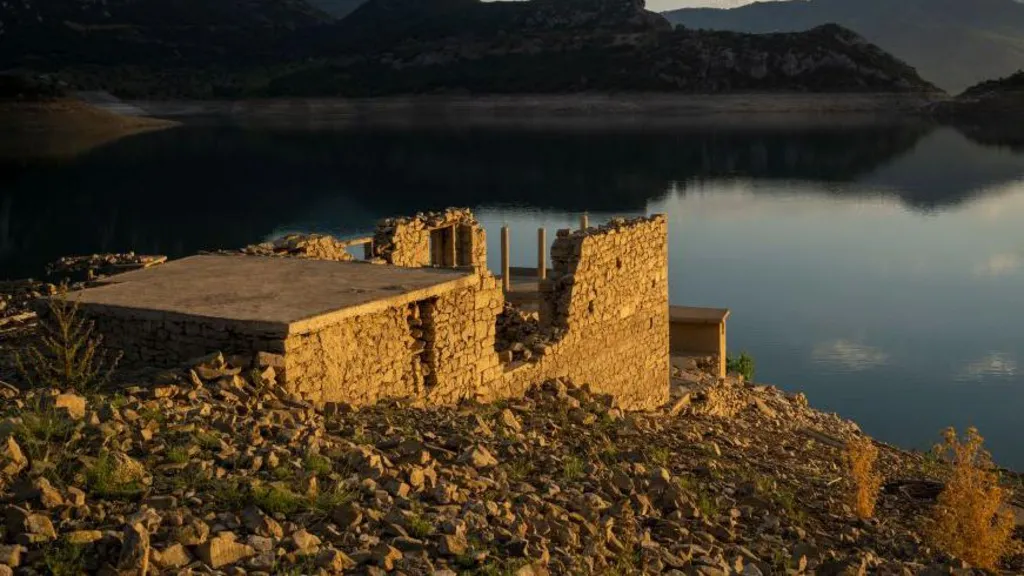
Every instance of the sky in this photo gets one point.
(662, 5)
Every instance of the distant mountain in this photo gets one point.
(418, 46)
(953, 43)
(990, 111)
(239, 48)
(337, 8)
(54, 34)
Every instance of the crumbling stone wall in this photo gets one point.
(408, 241)
(359, 360)
(610, 296)
(606, 315)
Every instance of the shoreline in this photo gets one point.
(649, 110)
(66, 127)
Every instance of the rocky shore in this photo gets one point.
(209, 469)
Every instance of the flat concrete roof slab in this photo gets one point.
(282, 295)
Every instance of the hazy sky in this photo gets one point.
(660, 5)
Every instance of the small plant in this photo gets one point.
(67, 355)
(208, 440)
(518, 469)
(153, 413)
(860, 458)
(44, 434)
(325, 502)
(572, 468)
(178, 455)
(317, 464)
(786, 500)
(303, 566)
(283, 473)
(102, 480)
(498, 567)
(743, 365)
(229, 494)
(968, 521)
(419, 527)
(65, 559)
(659, 456)
(274, 499)
(626, 563)
(702, 498)
(609, 454)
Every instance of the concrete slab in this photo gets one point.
(279, 295)
(692, 315)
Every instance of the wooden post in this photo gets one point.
(506, 281)
(584, 221)
(722, 352)
(542, 252)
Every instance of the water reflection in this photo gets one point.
(877, 268)
(182, 190)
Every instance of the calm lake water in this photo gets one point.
(880, 270)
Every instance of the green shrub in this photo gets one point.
(743, 364)
(572, 468)
(317, 464)
(67, 355)
(101, 479)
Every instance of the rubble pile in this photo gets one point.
(210, 469)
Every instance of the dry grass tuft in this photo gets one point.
(68, 355)
(860, 456)
(968, 519)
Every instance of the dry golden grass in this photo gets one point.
(968, 518)
(860, 456)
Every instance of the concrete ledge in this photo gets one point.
(266, 295)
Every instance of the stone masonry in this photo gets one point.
(606, 313)
(357, 333)
(449, 238)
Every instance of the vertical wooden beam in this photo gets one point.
(584, 221)
(542, 252)
(506, 280)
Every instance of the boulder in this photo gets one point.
(222, 550)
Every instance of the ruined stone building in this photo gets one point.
(421, 318)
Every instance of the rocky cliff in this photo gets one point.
(953, 43)
(391, 46)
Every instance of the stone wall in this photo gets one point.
(360, 359)
(460, 329)
(161, 339)
(605, 313)
(409, 241)
(435, 350)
